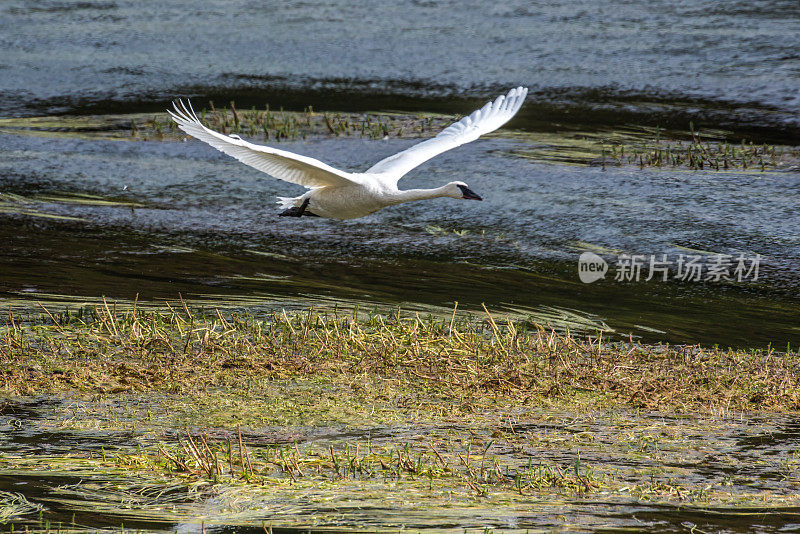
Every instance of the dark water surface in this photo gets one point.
(661, 62)
(166, 218)
(204, 226)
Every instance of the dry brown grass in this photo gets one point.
(185, 351)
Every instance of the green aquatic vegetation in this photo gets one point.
(19, 205)
(231, 419)
(441, 461)
(655, 147)
(284, 125)
(635, 145)
(230, 460)
(15, 505)
(501, 460)
(35, 205)
(86, 200)
(260, 124)
(698, 153)
(439, 231)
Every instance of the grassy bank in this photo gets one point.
(457, 358)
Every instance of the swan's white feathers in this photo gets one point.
(342, 195)
(280, 164)
(480, 122)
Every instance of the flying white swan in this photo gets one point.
(344, 195)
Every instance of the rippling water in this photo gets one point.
(204, 225)
(734, 63)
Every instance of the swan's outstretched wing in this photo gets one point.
(482, 121)
(280, 164)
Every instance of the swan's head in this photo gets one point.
(462, 190)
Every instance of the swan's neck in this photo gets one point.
(420, 194)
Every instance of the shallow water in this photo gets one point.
(164, 219)
(204, 226)
(664, 62)
(720, 467)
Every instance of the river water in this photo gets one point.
(205, 227)
(83, 218)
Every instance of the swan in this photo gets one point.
(338, 194)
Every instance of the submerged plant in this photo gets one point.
(14, 506)
(227, 460)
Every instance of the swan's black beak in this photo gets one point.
(469, 193)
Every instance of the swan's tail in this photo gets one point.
(288, 202)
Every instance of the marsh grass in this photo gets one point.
(472, 465)
(262, 123)
(646, 147)
(13, 204)
(485, 458)
(450, 468)
(186, 415)
(698, 152)
(282, 125)
(34, 205)
(640, 146)
(104, 349)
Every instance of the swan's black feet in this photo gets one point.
(296, 211)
